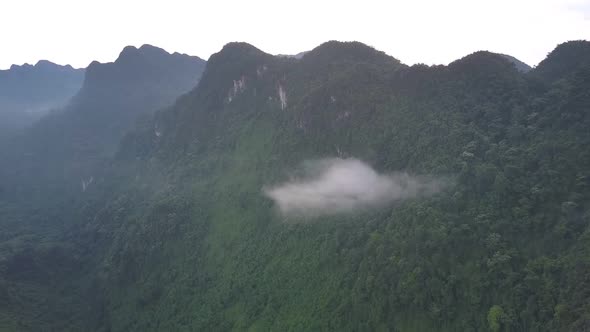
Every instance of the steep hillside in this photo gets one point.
(180, 235)
(72, 145)
(502, 247)
(45, 173)
(566, 59)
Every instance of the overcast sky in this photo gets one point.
(433, 32)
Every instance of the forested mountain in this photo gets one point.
(564, 61)
(180, 236)
(71, 146)
(28, 92)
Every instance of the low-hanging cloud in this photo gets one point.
(333, 186)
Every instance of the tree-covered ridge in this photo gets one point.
(564, 60)
(72, 145)
(179, 237)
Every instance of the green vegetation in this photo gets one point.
(177, 236)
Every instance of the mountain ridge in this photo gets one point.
(72, 144)
(29, 92)
(176, 233)
(470, 119)
(564, 60)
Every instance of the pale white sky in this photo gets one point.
(431, 32)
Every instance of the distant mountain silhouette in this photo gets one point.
(28, 92)
(520, 66)
(71, 143)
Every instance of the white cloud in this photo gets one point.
(332, 186)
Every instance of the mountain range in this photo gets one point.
(72, 144)
(164, 223)
(28, 92)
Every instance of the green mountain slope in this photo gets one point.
(564, 60)
(45, 173)
(71, 146)
(179, 236)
